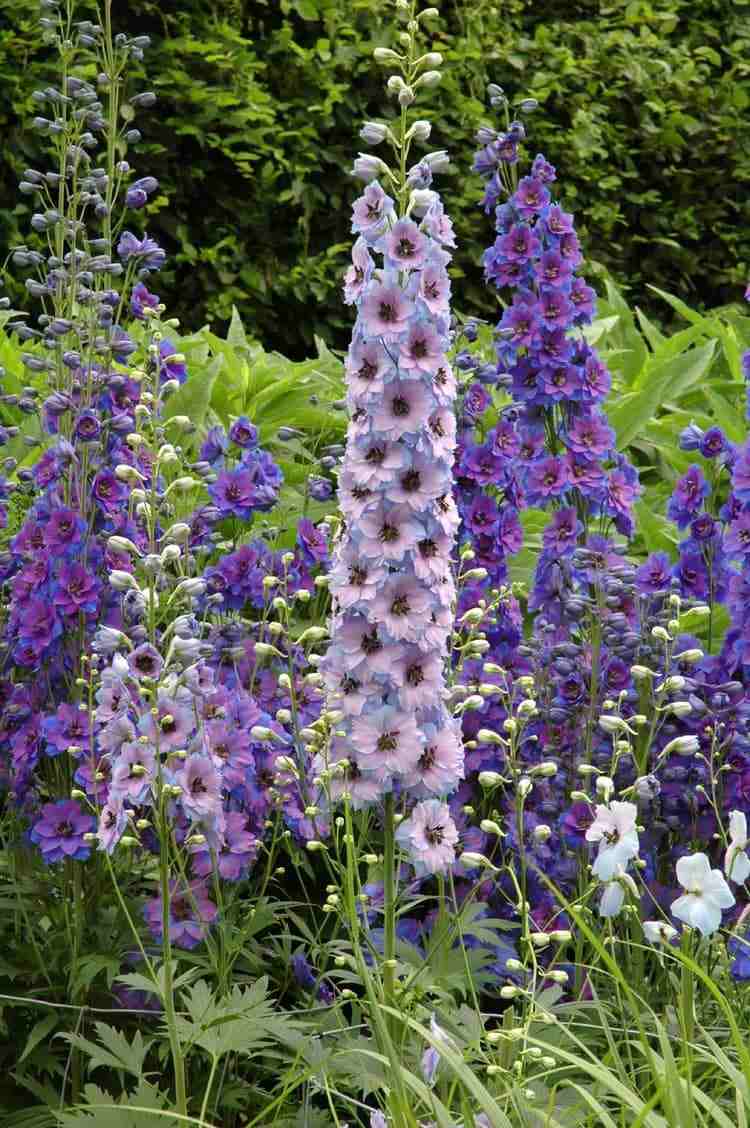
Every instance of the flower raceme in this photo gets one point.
(391, 582)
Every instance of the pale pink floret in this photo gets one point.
(421, 352)
(386, 741)
(441, 764)
(386, 310)
(430, 837)
(389, 532)
(404, 411)
(401, 607)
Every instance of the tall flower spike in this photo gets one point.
(392, 583)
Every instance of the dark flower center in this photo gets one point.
(411, 481)
(434, 835)
(387, 312)
(414, 675)
(400, 605)
(400, 406)
(371, 644)
(388, 742)
(406, 248)
(427, 759)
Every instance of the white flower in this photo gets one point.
(612, 899)
(736, 861)
(658, 931)
(706, 894)
(614, 829)
(613, 894)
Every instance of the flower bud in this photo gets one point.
(373, 132)
(123, 581)
(489, 779)
(682, 746)
(488, 736)
(558, 976)
(605, 786)
(385, 56)
(420, 131)
(690, 656)
(368, 167)
(641, 672)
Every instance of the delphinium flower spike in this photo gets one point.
(392, 583)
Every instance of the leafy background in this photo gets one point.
(644, 109)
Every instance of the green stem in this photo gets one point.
(209, 1086)
(687, 999)
(169, 1007)
(389, 904)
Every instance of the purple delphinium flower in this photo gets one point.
(191, 913)
(146, 252)
(59, 832)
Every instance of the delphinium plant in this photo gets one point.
(137, 756)
(396, 748)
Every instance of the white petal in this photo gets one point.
(738, 828)
(658, 931)
(737, 865)
(612, 899)
(693, 871)
(718, 891)
(698, 912)
(625, 815)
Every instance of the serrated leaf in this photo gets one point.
(113, 1050)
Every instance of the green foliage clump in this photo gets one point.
(643, 108)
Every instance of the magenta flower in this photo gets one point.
(133, 772)
(358, 273)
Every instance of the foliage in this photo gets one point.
(644, 112)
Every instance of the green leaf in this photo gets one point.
(193, 398)
(87, 969)
(39, 1031)
(629, 414)
(113, 1051)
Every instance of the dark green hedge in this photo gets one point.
(644, 109)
